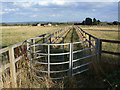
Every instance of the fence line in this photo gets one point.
(30, 44)
(13, 60)
(100, 41)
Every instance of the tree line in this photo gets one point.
(94, 21)
(87, 21)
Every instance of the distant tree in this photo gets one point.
(109, 23)
(94, 21)
(115, 23)
(3, 24)
(83, 22)
(98, 21)
(88, 21)
(28, 24)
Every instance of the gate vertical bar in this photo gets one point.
(48, 61)
(70, 60)
(63, 48)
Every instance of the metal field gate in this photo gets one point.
(59, 60)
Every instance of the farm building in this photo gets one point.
(56, 25)
(41, 24)
(49, 24)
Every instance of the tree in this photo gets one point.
(116, 23)
(98, 21)
(3, 24)
(88, 21)
(94, 21)
(28, 24)
(83, 22)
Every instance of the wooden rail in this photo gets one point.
(12, 63)
(88, 36)
(13, 60)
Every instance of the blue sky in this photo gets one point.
(58, 11)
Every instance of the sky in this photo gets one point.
(58, 11)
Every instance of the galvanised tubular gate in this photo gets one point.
(33, 54)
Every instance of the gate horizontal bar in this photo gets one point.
(39, 70)
(59, 71)
(83, 58)
(80, 72)
(83, 50)
(82, 65)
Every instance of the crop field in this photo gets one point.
(14, 34)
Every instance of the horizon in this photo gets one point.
(58, 11)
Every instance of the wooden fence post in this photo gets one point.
(1, 82)
(43, 38)
(89, 41)
(33, 49)
(12, 67)
(99, 48)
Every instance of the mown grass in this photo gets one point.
(14, 34)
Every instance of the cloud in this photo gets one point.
(34, 16)
(35, 9)
(24, 4)
(60, 0)
(56, 2)
(9, 10)
(43, 3)
(93, 10)
(54, 15)
(3, 12)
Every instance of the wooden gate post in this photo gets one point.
(12, 67)
(33, 48)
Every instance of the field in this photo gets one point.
(107, 34)
(14, 34)
(105, 69)
(102, 34)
